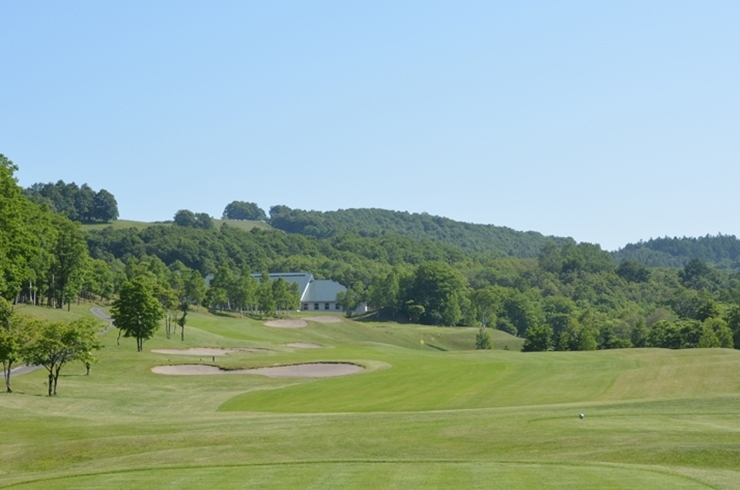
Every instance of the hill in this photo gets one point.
(140, 225)
(373, 222)
(721, 251)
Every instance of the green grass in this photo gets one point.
(420, 416)
(139, 225)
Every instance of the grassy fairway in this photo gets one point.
(423, 415)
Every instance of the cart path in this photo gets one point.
(98, 312)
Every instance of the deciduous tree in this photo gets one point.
(240, 210)
(55, 344)
(538, 338)
(137, 312)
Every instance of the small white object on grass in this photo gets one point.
(580, 415)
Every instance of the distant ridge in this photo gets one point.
(374, 221)
(722, 251)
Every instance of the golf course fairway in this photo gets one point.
(425, 412)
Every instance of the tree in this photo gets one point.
(632, 271)
(240, 210)
(76, 203)
(184, 307)
(487, 303)
(69, 256)
(698, 275)
(169, 300)
(721, 332)
(384, 292)
(538, 338)
(8, 341)
(440, 289)
(104, 207)
(558, 312)
(194, 288)
(265, 296)
(483, 340)
(185, 218)
(188, 219)
(137, 312)
(55, 344)
(518, 308)
(20, 240)
(708, 338)
(84, 203)
(8, 355)
(550, 259)
(347, 301)
(203, 221)
(733, 323)
(243, 291)
(286, 294)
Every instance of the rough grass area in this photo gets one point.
(418, 417)
(122, 224)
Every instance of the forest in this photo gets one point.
(554, 292)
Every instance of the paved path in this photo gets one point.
(17, 371)
(98, 312)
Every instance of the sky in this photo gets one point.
(606, 121)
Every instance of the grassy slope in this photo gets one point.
(121, 223)
(420, 417)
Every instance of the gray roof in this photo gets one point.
(303, 279)
(323, 291)
(311, 290)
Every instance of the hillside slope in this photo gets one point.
(722, 251)
(373, 221)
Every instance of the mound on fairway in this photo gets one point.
(303, 345)
(203, 351)
(311, 370)
(286, 323)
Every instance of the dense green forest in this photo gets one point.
(372, 222)
(722, 251)
(78, 203)
(560, 295)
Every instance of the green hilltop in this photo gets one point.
(373, 222)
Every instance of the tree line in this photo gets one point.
(569, 296)
(721, 251)
(78, 203)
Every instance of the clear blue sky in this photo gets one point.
(606, 121)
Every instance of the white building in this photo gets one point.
(315, 294)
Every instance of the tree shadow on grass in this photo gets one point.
(437, 347)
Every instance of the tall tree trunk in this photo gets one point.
(51, 382)
(56, 379)
(6, 372)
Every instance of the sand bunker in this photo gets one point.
(203, 351)
(313, 370)
(303, 345)
(324, 319)
(286, 323)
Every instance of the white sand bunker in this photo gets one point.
(324, 319)
(286, 323)
(203, 351)
(312, 370)
(304, 345)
